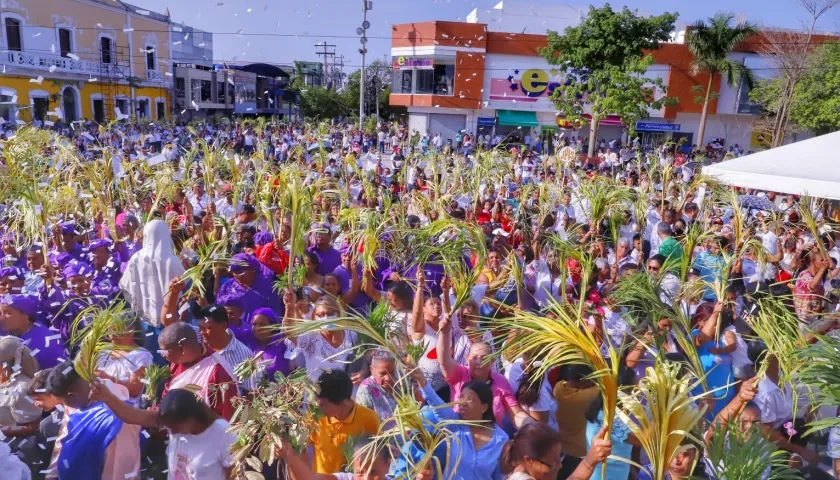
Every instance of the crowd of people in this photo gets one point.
(127, 319)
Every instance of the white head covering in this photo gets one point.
(147, 276)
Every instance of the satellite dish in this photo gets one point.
(365, 24)
(359, 31)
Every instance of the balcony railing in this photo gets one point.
(39, 61)
(154, 76)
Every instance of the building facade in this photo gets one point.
(74, 60)
(455, 76)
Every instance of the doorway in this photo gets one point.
(99, 110)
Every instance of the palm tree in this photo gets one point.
(710, 41)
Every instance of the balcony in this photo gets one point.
(39, 61)
(154, 76)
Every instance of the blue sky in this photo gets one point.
(302, 24)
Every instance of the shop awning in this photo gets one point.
(514, 118)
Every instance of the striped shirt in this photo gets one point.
(235, 353)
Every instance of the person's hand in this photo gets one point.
(99, 392)
(445, 324)
(176, 284)
(421, 275)
(285, 451)
(446, 283)
(56, 231)
(415, 373)
(747, 390)
(600, 448)
(427, 473)
(289, 297)
(354, 265)
(48, 272)
(718, 307)
(104, 376)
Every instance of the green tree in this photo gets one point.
(604, 60)
(710, 41)
(320, 102)
(816, 100)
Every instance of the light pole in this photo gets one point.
(366, 5)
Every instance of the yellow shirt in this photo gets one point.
(328, 441)
(572, 403)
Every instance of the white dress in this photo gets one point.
(319, 355)
(121, 368)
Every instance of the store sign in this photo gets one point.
(486, 121)
(524, 85)
(657, 127)
(408, 63)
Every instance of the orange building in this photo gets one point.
(455, 76)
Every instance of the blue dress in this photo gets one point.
(465, 463)
(616, 470)
(718, 374)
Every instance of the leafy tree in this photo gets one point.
(604, 60)
(816, 100)
(320, 102)
(710, 41)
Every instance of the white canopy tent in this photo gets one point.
(809, 167)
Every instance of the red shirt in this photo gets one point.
(275, 259)
(220, 399)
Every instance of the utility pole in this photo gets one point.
(362, 31)
(329, 58)
(339, 73)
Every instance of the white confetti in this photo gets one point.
(73, 56)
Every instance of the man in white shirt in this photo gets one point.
(198, 198)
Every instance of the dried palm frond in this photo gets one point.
(276, 414)
(661, 412)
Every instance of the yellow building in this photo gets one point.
(83, 60)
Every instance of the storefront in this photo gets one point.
(485, 125)
(652, 134)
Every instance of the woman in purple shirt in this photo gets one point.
(17, 317)
(262, 339)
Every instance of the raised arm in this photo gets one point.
(355, 285)
(123, 411)
(290, 317)
(369, 288)
(448, 365)
(418, 327)
(169, 311)
(707, 333)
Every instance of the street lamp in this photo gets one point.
(362, 31)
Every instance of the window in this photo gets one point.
(220, 92)
(231, 93)
(122, 105)
(14, 42)
(206, 94)
(106, 48)
(142, 108)
(99, 110)
(40, 106)
(402, 81)
(65, 43)
(745, 105)
(444, 78)
(425, 82)
(150, 58)
(161, 110)
(195, 90)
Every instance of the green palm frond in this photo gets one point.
(92, 330)
(733, 453)
(661, 413)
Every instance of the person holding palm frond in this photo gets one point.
(479, 368)
(252, 281)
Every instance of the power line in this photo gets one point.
(510, 35)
